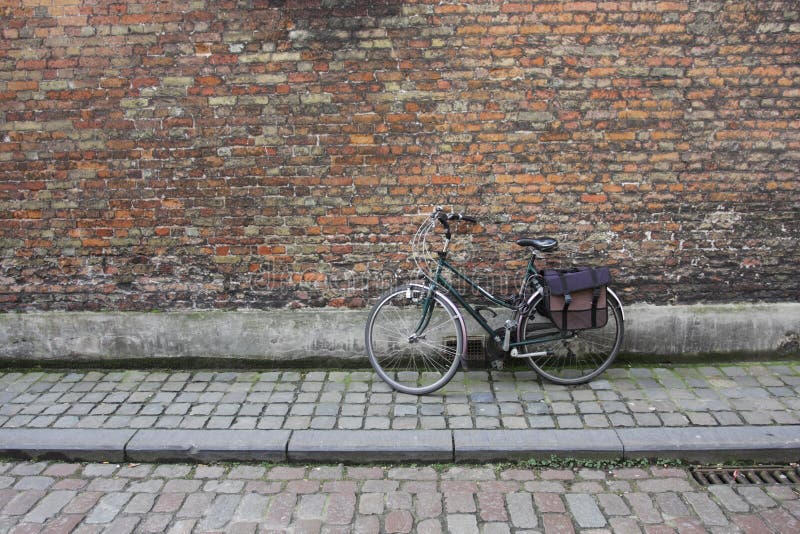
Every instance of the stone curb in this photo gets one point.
(702, 444)
(208, 445)
(487, 445)
(761, 443)
(371, 446)
(66, 443)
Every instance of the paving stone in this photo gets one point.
(372, 503)
(152, 485)
(520, 509)
(251, 508)
(34, 483)
(459, 502)
(398, 521)
(658, 485)
(612, 504)
(311, 506)
(108, 507)
(585, 511)
(141, 503)
(756, 497)
(671, 505)
(195, 505)
(727, 418)
(624, 525)
(49, 506)
(642, 506)
(729, 498)
(595, 421)
(549, 502)
(223, 486)
(462, 523)
(706, 510)
(781, 521)
(398, 500)
(569, 421)
(340, 509)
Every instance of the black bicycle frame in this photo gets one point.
(439, 280)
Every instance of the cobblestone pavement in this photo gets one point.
(727, 395)
(88, 498)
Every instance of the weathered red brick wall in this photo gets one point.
(253, 153)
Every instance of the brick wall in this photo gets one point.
(251, 153)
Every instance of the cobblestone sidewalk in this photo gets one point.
(93, 498)
(728, 395)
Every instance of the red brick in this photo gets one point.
(580, 6)
(616, 114)
(26, 85)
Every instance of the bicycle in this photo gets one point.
(416, 336)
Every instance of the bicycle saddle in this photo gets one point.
(543, 244)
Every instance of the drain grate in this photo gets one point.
(743, 476)
(475, 350)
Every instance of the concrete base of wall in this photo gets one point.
(336, 336)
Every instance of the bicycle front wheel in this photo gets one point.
(573, 357)
(414, 339)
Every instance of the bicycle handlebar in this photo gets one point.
(460, 217)
(445, 219)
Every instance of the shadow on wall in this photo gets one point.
(332, 23)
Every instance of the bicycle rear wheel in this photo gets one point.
(414, 341)
(573, 357)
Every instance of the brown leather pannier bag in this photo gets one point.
(576, 298)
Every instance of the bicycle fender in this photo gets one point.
(538, 293)
(619, 302)
(460, 317)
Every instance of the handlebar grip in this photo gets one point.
(459, 217)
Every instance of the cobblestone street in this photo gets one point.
(83, 498)
(313, 411)
(713, 395)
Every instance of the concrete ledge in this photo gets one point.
(713, 329)
(371, 446)
(332, 334)
(489, 445)
(718, 444)
(66, 443)
(208, 445)
(287, 335)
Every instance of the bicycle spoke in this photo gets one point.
(577, 358)
(410, 358)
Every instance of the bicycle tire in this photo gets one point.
(576, 358)
(411, 361)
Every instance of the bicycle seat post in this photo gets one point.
(534, 256)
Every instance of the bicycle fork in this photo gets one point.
(427, 313)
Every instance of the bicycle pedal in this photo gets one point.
(497, 365)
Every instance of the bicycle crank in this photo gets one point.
(515, 353)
